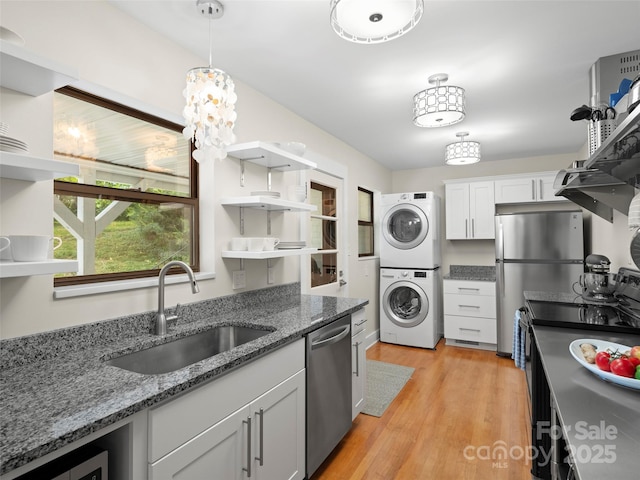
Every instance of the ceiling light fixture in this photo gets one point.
(438, 106)
(462, 153)
(374, 21)
(210, 94)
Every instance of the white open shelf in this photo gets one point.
(270, 156)
(9, 268)
(267, 203)
(26, 72)
(267, 254)
(20, 166)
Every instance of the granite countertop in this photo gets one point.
(57, 389)
(555, 297)
(471, 272)
(600, 420)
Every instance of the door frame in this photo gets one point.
(340, 172)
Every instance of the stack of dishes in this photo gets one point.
(8, 144)
(266, 193)
(291, 245)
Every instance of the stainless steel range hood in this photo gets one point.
(608, 180)
(594, 190)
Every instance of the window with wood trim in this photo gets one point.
(365, 223)
(134, 205)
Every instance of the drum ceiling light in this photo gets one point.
(210, 94)
(374, 21)
(462, 152)
(438, 106)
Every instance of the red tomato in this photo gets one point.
(635, 361)
(623, 367)
(602, 361)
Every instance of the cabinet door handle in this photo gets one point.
(470, 329)
(261, 457)
(468, 306)
(466, 228)
(533, 189)
(364, 320)
(357, 372)
(249, 460)
(541, 191)
(473, 228)
(468, 288)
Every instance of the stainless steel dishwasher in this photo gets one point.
(328, 390)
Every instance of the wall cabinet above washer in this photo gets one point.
(470, 210)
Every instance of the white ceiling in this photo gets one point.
(524, 66)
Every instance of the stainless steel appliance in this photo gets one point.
(86, 463)
(569, 311)
(328, 390)
(540, 251)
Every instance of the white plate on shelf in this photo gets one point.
(601, 345)
(266, 193)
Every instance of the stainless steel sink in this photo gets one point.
(185, 351)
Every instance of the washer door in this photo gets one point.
(405, 304)
(405, 226)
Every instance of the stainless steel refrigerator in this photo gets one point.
(537, 251)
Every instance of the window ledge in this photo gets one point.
(123, 285)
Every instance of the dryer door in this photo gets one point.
(405, 226)
(405, 304)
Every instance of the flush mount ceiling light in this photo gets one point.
(374, 21)
(438, 106)
(462, 153)
(210, 94)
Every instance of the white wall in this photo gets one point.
(113, 51)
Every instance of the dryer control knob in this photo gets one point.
(405, 274)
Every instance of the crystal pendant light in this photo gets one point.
(210, 101)
(374, 21)
(462, 152)
(438, 106)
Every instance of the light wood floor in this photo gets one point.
(459, 407)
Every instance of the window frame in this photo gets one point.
(363, 223)
(134, 196)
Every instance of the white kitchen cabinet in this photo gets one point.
(263, 440)
(531, 188)
(27, 168)
(470, 313)
(207, 430)
(358, 361)
(470, 210)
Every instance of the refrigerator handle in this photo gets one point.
(499, 240)
(500, 287)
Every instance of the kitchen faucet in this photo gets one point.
(161, 318)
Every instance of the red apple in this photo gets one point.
(635, 352)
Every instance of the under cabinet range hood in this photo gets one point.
(609, 178)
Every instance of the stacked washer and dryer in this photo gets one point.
(410, 279)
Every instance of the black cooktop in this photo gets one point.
(618, 314)
(587, 316)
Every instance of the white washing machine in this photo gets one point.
(410, 230)
(411, 307)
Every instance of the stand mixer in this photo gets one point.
(598, 285)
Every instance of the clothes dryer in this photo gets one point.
(410, 307)
(410, 230)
